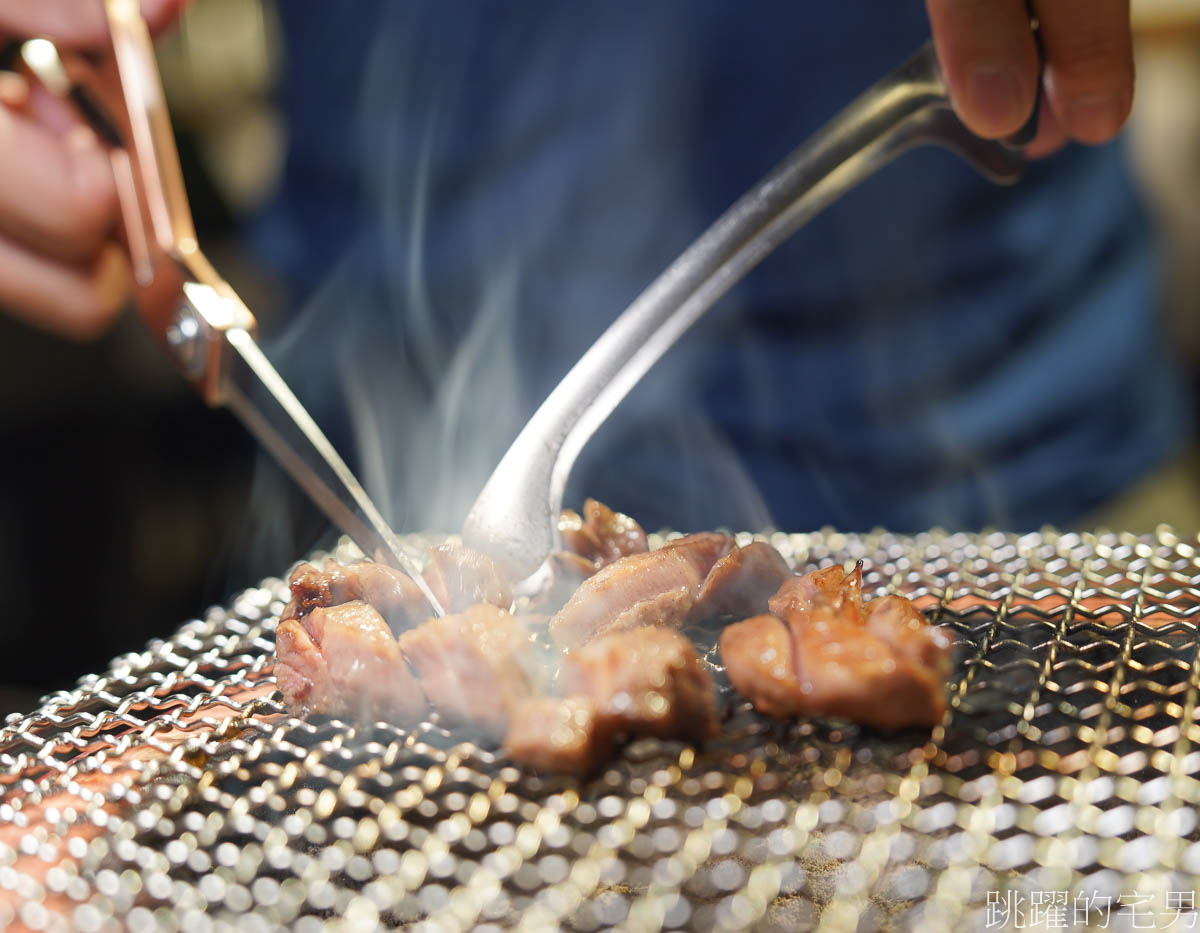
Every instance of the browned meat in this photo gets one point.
(474, 666)
(578, 537)
(901, 625)
(389, 591)
(761, 664)
(644, 681)
(741, 582)
(703, 549)
(655, 588)
(461, 576)
(310, 588)
(560, 735)
(344, 659)
(845, 670)
(829, 584)
(884, 668)
(600, 535)
(617, 534)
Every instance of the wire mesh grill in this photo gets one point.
(174, 791)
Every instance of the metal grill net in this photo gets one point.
(174, 791)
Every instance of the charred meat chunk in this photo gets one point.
(655, 588)
(644, 681)
(461, 576)
(847, 671)
(821, 654)
(742, 581)
(827, 585)
(345, 660)
(392, 593)
(899, 623)
(703, 548)
(617, 534)
(760, 662)
(474, 666)
(578, 537)
(600, 535)
(310, 587)
(557, 734)
(639, 682)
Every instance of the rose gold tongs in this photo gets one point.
(200, 321)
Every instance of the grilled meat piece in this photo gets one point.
(703, 548)
(310, 587)
(461, 576)
(559, 735)
(458, 576)
(644, 681)
(474, 666)
(600, 535)
(391, 592)
(827, 585)
(617, 534)
(741, 582)
(578, 537)
(901, 625)
(846, 670)
(885, 667)
(345, 660)
(760, 662)
(655, 588)
(591, 541)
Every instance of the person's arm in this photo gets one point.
(60, 268)
(990, 60)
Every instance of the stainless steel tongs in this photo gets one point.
(515, 516)
(196, 316)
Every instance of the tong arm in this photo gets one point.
(515, 516)
(197, 317)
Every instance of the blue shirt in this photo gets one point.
(475, 190)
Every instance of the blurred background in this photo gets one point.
(111, 452)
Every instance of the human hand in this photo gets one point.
(61, 268)
(988, 54)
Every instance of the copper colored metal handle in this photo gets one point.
(197, 317)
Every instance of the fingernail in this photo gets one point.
(1095, 118)
(994, 92)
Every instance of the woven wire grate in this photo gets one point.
(174, 791)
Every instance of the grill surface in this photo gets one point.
(174, 792)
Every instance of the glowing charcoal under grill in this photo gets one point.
(175, 792)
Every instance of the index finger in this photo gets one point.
(1089, 65)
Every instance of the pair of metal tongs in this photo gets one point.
(196, 316)
(516, 515)
(209, 331)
